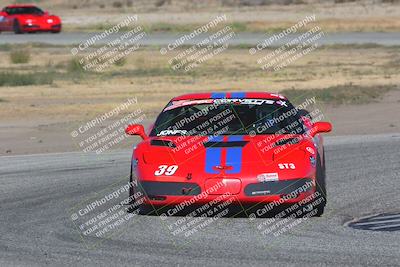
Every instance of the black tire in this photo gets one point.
(147, 210)
(133, 206)
(17, 27)
(320, 187)
(131, 193)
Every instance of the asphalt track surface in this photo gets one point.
(37, 192)
(163, 39)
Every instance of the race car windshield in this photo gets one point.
(24, 10)
(228, 117)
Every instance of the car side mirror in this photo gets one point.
(46, 13)
(136, 129)
(321, 127)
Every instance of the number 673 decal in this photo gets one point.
(166, 170)
(289, 166)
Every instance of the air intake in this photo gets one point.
(226, 144)
(159, 142)
(287, 141)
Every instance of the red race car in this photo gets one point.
(255, 147)
(28, 18)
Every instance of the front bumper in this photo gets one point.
(172, 193)
(45, 27)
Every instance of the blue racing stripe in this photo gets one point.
(234, 155)
(218, 95)
(213, 155)
(238, 95)
(234, 138)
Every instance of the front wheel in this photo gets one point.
(136, 205)
(17, 27)
(131, 193)
(320, 188)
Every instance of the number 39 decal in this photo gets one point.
(166, 170)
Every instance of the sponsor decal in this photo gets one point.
(182, 103)
(220, 98)
(281, 103)
(268, 177)
(244, 101)
(265, 192)
(286, 166)
(172, 132)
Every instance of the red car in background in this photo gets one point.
(28, 18)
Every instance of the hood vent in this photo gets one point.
(159, 142)
(226, 144)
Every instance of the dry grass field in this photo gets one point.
(65, 94)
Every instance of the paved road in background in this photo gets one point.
(162, 39)
(36, 192)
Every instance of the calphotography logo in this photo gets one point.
(187, 37)
(107, 130)
(298, 46)
(106, 214)
(210, 44)
(115, 45)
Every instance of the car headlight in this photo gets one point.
(49, 20)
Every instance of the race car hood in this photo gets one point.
(244, 157)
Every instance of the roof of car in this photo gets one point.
(218, 95)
